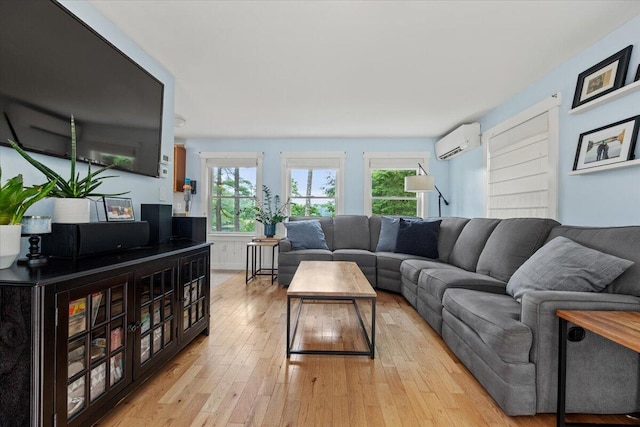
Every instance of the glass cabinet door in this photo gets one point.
(155, 305)
(92, 346)
(194, 284)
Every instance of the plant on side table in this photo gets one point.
(269, 212)
(15, 199)
(71, 204)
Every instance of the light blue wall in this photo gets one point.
(142, 189)
(354, 163)
(600, 198)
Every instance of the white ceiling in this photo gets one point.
(355, 68)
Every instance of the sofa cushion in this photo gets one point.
(418, 238)
(293, 258)
(306, 235)
(512, 242)
(351, 232)
(450, 229)
(564, 265)
(495, 319)
(411, 268)
(359, 256)
(435, 282)
(619, 241)
(467, 249)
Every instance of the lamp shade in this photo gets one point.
(419, 183)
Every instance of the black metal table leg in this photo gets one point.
(288, 327)
(562, 373)
(246, 267)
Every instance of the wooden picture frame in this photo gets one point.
(118, 209)
(609, 144)
(604, 77)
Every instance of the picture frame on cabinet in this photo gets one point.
(608, 144)
(118, 209)
(604, 77)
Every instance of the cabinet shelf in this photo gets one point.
(623, 91)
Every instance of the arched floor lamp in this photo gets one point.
(423, 183)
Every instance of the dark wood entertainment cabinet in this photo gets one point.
(76, 337)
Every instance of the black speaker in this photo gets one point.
(159, 219)
(78, 240)
(190, 227)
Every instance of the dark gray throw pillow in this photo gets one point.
(389, 226)
(564, 265)
(418, 238)
(306, 234)
(388, 233)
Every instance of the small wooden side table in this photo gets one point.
(254, 257)
(621, 327)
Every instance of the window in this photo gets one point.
(521, 159)
(313, 183)
(384, 184)
(232, 180)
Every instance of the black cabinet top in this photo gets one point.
(58, 269)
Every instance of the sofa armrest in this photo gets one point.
(539, 305)
(538, 312)
(539, 308)
(285, 245)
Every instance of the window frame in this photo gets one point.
(394, 161)
(209, 160)
(314, 160)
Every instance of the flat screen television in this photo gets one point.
(52, 66)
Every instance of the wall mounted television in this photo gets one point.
(53, 65)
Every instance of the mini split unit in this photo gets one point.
(464, 138)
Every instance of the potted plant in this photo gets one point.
(71, 204)
(269, 212)
(15, 199)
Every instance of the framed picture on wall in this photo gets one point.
(604, 77)
(118, 209)
(609, 144)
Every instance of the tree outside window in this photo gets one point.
(233, 190)
(387, 193)
(313, 192)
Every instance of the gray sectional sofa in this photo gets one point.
(509, 346)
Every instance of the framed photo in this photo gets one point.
(118, 209)
(609, 144)
(637, 74)
(602, 78)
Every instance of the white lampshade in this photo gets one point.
(419, 183)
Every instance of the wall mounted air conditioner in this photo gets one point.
(464, 138)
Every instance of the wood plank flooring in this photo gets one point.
(239, 375)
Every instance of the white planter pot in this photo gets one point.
(9, 244)
(71, 211)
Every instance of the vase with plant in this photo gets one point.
(269, 212)
(71, 204)
(15, 199)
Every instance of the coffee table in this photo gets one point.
(331, 281)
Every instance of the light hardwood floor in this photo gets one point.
(239, 375)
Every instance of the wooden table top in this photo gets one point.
(268, 243)
(622, 327)
(330, 278)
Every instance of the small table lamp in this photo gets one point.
(33, 226)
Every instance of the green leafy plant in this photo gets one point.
(15, 199)
(269, 211)
(74, 187)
